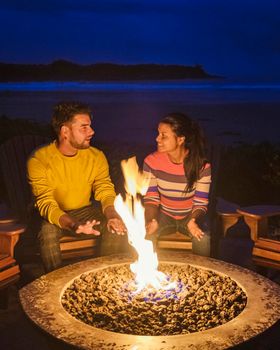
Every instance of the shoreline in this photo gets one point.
(209, 78)
(229, 112)
(68, 71)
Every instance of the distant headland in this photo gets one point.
(62, 70)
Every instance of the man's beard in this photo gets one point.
(82, 145)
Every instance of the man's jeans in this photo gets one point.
(50, 234)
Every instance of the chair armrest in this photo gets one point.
(9, 236)
(256, 217)
(258, 212)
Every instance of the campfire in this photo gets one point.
(132, 213)
(201, 300)
(144, 300)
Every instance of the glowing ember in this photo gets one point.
(132, 213)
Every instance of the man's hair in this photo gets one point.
(65, 111)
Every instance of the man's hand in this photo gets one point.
(69, 223)
(115, 225)
(194, 229)
(151, 227)
(87, 228)
(114, 222)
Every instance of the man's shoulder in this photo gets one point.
(42, 155)
(93, 152)
(43, 151)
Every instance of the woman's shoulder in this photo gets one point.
(155, 160)
(155, 156)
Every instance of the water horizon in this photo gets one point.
(125, 111)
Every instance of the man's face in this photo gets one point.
(80, 131)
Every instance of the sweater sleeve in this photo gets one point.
(42, 191)
(152, 196)
(201, 194)
(102, 187)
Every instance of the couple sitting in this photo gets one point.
(66, 173)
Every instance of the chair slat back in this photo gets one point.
(214, 152)
(13, 157)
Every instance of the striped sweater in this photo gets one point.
(168, 183)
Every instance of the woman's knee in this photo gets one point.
(202, 247)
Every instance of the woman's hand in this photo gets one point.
(151, 227)
(194, 229)
(116, 225)
(87, 228)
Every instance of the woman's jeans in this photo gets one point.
(168, 225)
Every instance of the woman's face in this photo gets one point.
(167, 140)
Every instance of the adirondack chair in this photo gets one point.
(266, 249)
(13, 156)
(178, 240)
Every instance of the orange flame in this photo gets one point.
(132, 214)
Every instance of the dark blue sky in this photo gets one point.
(235, 38)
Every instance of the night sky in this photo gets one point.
(234, 38)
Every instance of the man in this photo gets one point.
(63, 176)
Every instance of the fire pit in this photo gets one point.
(197, 300)
(45, 302)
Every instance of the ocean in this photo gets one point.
(230, 112)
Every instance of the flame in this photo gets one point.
(132, 214)
(135, 181)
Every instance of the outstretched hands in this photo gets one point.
(69, 223)
(114, 224)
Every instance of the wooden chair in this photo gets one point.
(227, 215)
(13, 157)
(9, 269)
(176, 240)
(266, 251)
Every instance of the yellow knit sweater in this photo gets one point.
(60, 183)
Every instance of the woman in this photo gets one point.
(180, 176)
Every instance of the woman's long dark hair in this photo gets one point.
(182, 125)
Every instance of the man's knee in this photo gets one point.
(48, 233)
(111, 243)
(49, 246)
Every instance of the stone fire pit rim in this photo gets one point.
(41, 302)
